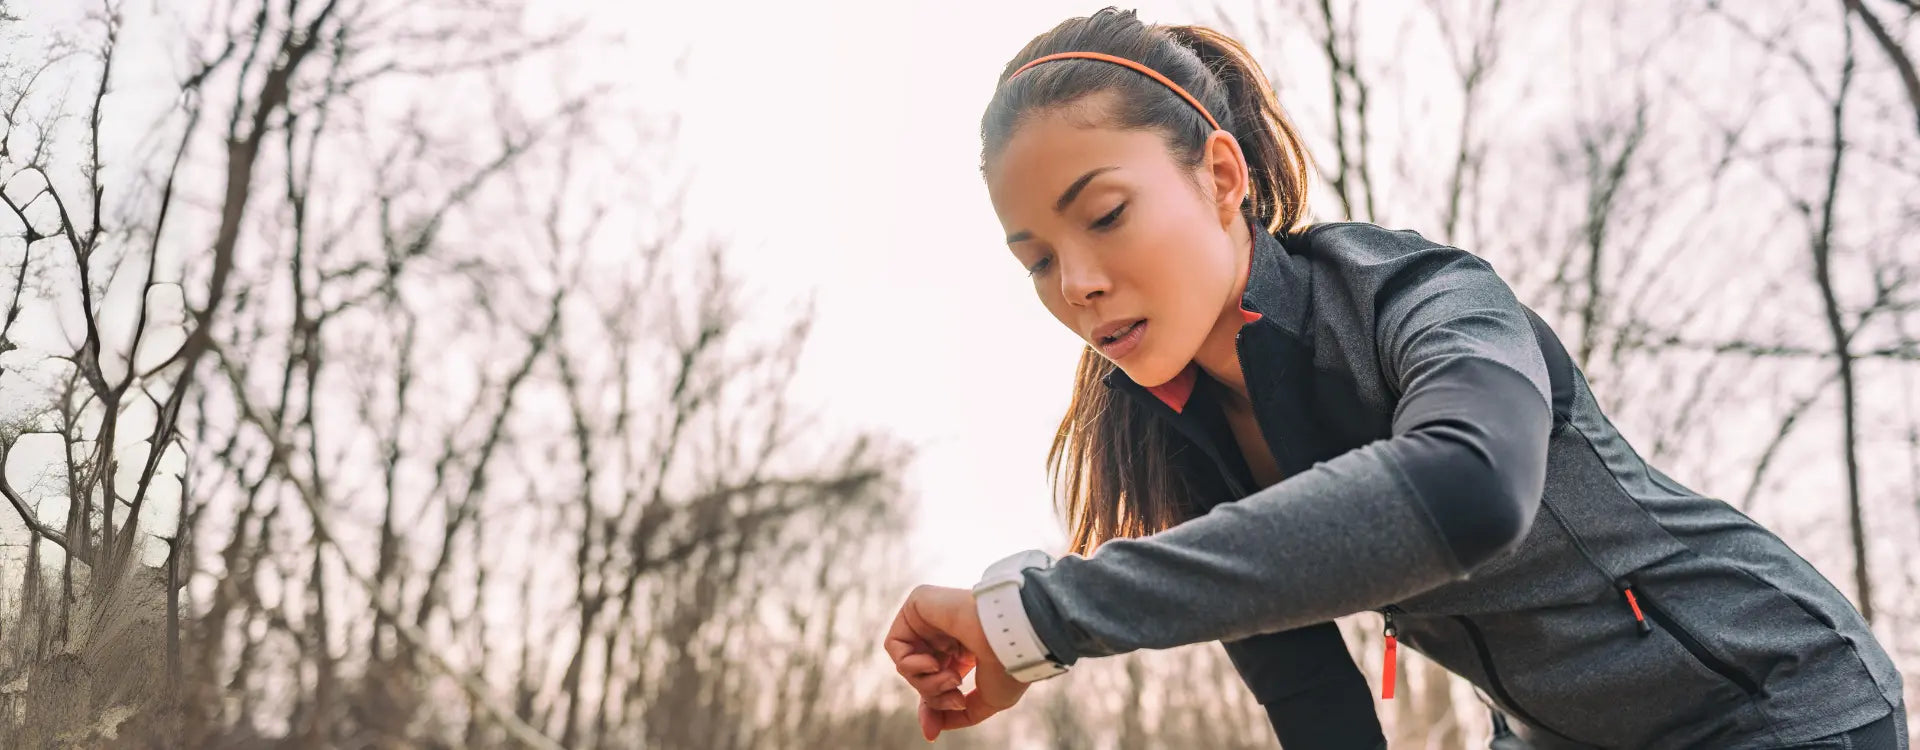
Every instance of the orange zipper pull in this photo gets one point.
(1387, 664)
(1645, 627)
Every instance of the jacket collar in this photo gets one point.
(1279, 293)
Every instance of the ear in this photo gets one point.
(1224, 167)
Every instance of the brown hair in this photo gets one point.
(1112, 463)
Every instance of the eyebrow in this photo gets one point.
(1066, 199)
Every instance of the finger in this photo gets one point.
(910, 632)
(961, 662)
(949, 700)
(932, 674)
(930, 685)
(918, 664)
(898, 649)
(906, 643)
(928, 676)
(960, 719)
(929, 722)
(977, 709)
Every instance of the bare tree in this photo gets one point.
(1897, 56)
(389, 329)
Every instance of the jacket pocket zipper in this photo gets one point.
(1493, 679)
(1694, 647)
(1389, 662)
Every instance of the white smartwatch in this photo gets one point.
(1004, 618)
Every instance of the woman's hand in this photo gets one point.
(935, 640)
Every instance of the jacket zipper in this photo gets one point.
(1699, 651)
(1493, 678)
(1625, 586)
(1643, 607)
(1388, 663)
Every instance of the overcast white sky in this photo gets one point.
(856, 122)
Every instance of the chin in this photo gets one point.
(1151, 372)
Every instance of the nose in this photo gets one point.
(1081, 282)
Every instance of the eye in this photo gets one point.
(1039, 265)
(1106, 222)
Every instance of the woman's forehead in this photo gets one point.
(1043, 160)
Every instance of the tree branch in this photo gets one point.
(1895, 54)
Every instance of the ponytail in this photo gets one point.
(1114, 467)
(1276, 158)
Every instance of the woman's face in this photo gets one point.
(1128, 249)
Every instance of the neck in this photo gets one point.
(1218, 355)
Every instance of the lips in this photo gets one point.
(1111, 331)
(1122, 338)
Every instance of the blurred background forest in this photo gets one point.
(471, 373)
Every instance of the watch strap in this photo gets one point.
(1010, 633)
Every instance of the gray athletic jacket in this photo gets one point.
(1447, 466)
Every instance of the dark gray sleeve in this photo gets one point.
(1456, 484)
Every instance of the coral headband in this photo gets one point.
(1121, 61)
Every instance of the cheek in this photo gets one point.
(1180, 278)
(1184, 301)
(1189, 285)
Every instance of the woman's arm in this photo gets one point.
(1456, 484)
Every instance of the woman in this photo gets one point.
(1274, 426)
